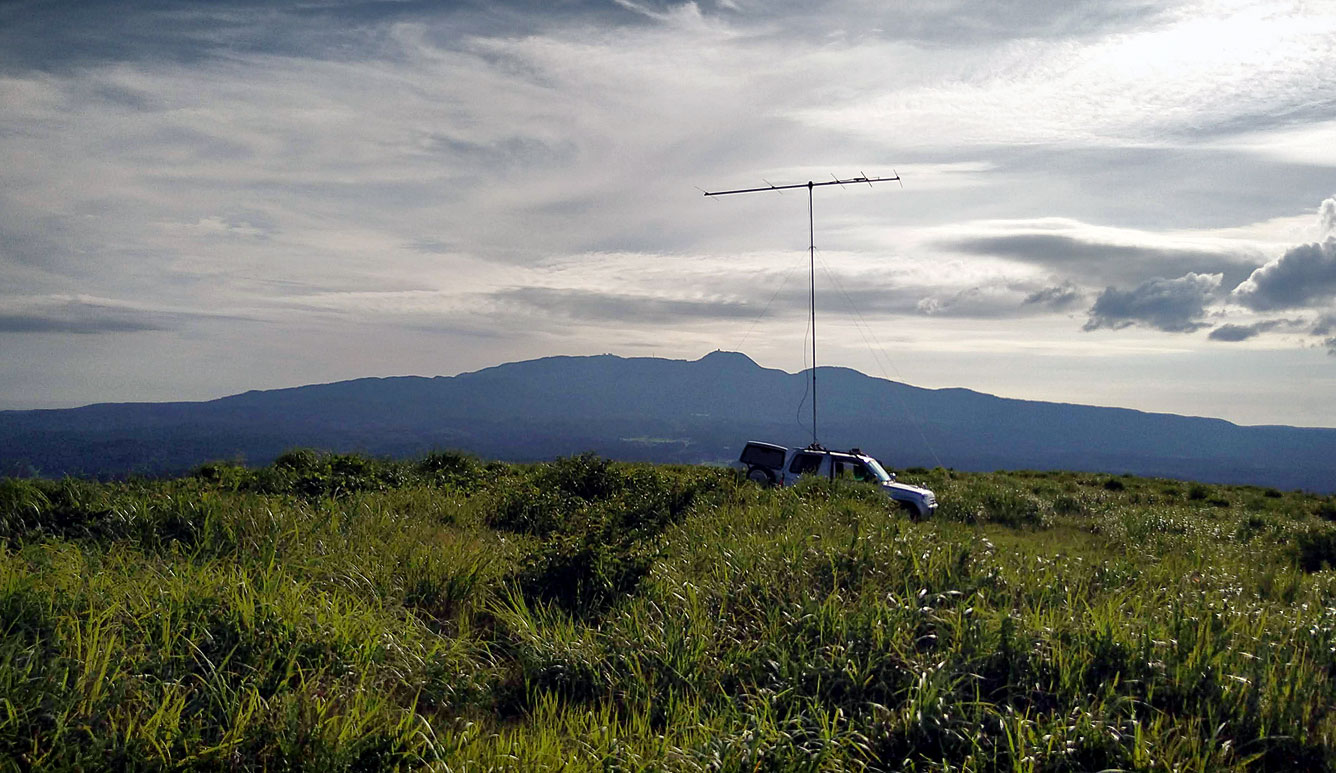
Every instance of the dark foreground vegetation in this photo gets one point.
(344, 613)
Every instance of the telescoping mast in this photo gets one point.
(811, 248)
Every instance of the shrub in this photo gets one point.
(586, 476)
(315, 475)
(600, 522)
(1315, 548)
(1066, 504)
(1198, 492)
(1006, 506)
(585, 569)
(68, 508)
(1252, 526)
(526, 508)
(297, 460)
(455, 469)
(1113, 484)
(223, 475)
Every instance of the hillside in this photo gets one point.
(336, 613)
(650, 409)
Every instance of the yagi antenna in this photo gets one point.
(811, 245)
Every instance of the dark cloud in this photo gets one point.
(65, 35)
(80, 317)
(62, 35)
(1234, 333)
(1171, 305)
(613, 307)
(942, 23)
(1231, 332)
(1003, 300)
(1302, 275)
(1104, 262)
(1325, 325)
(1057, 298)
(92, 316)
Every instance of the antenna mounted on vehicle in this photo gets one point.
(811, 247)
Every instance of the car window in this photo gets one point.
(804, 464)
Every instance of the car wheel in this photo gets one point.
(761, 477)
(909, 509)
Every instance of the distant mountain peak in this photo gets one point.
(719, 357)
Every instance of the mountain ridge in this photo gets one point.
(656, 409)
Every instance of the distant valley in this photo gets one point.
(651, 409)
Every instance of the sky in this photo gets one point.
(1105, 202)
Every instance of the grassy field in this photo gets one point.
(341, 613)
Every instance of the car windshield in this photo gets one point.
(876, 470)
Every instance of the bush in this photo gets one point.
(526, 508)
(69, 508)
(1066, 504)
(22, 505)
(1315, 548)
(600, 521)
(1006, 506)
(585, 569)
(1113, 484)
(223, 475)
(454, 469)
(587, 476)
(315, 475)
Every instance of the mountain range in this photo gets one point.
(653, 409)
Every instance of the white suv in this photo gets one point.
(772, 465)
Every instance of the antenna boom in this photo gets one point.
(868, 180)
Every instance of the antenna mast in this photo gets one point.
(811, 249)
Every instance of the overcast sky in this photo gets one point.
(1114, 203)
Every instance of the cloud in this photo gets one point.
(78, 315)
(1326, 217)
(88, 315)
(1056, 298)
(1232, 332)
(1325, 325)
(1108, 261)
(991, 299)
(1002, 301)
(1171, 305)
(1304, 274)
(594, 306)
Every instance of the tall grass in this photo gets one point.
(344, 613)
